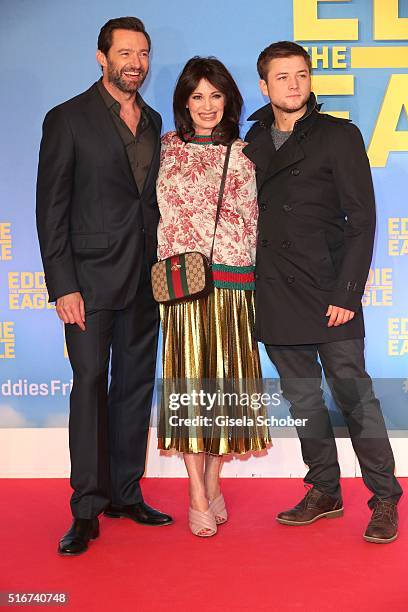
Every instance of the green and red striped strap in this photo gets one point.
(176, 276)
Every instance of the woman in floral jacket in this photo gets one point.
(210, 338)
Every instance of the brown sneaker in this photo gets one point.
(314, 505)
(383, 526)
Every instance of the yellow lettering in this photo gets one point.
(339, 57)
(387, 297)
(380, 276)
(377, 297)
(385, 137)
(393, 326)
(7, 330)
(7, 350)
(13, 280)
(393, 248)
(386, 276)
(393, 225)
(333, 84)
(39, 301)
(33, 301)
(5, 231)
(393, 348)
(404, 347)
(341, 114)
(320, 56)
(308, 26)
(27, 280)
(13, 301)
(40, 280)
(378, 57)
(5, 252)
(26, 301)
(387, 24)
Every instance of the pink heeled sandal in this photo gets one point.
(202, 524)
(217, 507)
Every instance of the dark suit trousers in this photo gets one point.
(108, 428)
(351, 387)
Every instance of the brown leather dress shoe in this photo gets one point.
(383, 526)
(313, 506)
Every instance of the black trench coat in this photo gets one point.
(316, 227)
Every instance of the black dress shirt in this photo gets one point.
(140, 146)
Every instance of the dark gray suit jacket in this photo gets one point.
(96, 230)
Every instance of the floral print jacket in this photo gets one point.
(187, 192)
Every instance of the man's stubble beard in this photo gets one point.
(115, 78)
(297, 108)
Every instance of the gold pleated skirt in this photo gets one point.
(208, 344)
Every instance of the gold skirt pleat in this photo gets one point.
(208, 343)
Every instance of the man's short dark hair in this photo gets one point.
(283, 48)
(120, 23)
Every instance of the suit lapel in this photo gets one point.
(156, 151)
(99, 117)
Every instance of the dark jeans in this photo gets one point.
(108, 428)
(344, 368)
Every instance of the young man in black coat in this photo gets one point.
(316, 233)
(97, 219)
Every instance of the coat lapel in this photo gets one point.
(289, 153)
(261, 150)
(268, 160)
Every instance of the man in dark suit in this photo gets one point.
(97, 217)
(316, 232)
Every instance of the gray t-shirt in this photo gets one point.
(279, 138)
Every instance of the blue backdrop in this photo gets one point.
(48, 48)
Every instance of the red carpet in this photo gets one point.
(253, 563)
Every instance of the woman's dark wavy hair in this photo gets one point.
(215, 72)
